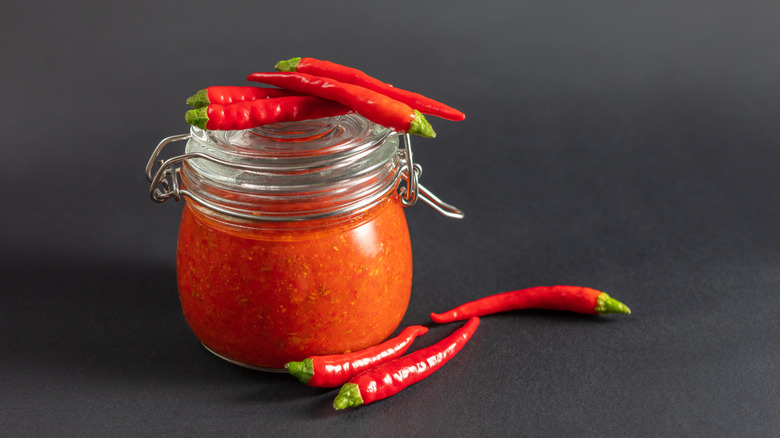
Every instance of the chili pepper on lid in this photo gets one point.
(356, 77)
(253, 113)
(392, 377)
(335, 370)
(374, 106)
(224, 95)
(568, 298)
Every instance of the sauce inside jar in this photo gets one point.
(265, 295)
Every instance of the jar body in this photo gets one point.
(263, 294)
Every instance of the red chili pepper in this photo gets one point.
(335, 370)
(225, 95)
(571, 298)
(356, 77)
(253, 113)
(390, 378)
(374, 106)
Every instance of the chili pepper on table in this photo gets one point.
(253, 113)
(391, 377)
(354, 76)
(335, 370)
(374, 106)
(225, 95)
(569, 298)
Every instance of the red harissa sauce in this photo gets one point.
(263, 295)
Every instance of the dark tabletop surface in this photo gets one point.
(627, 146)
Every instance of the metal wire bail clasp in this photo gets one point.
(166, 177)
(413, 190)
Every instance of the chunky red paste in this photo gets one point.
(264, 294)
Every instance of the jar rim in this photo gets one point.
(293, 142)
(293, 171)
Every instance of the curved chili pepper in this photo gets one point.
(374, 106)
(356, 77)
(253, 113)
(335, 370)
(390, 378)
(225, 95)
(570, 298)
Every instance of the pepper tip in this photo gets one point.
(437, 318)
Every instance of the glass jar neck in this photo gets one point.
(293, 171)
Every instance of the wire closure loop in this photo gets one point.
(166, 176)
(414, 191)
(410, 173)
(165, 180)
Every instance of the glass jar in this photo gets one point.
(293, 241)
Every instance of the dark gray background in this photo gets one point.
(626, 146)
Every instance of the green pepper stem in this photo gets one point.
(606, 304)
(197, 117)
(199, 99)
(420, 126)
(288, 65)
(303, 370)
(349, 395)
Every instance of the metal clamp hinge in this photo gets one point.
(165, 181)
(412, 190)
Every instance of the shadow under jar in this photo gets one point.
(293, 241)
